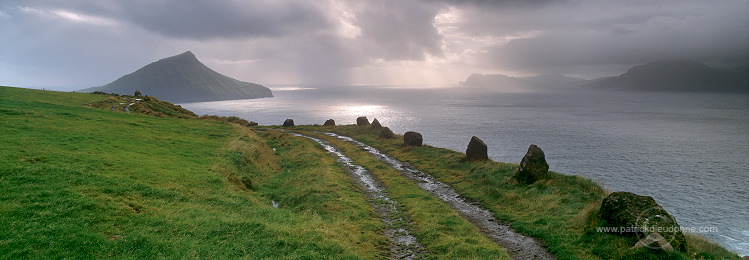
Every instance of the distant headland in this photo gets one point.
(657, 76)
(678, 76)
(182, 79)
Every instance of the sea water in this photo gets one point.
(689, 151)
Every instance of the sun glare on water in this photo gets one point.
(362, 109)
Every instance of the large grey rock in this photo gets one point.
(411, 138)
(362, 120)
(477, 150)
(629, 214)
(288, 122)
(386, 133)
(375, 124)
(533, 166)
(329, 122)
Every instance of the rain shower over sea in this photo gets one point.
(689, 151)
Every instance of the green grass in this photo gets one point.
(79, 182)
(439, 228)
(312, 182)
(561, 211)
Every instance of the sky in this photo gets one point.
(84, 43)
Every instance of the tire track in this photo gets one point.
(402, 245)
(518, 245)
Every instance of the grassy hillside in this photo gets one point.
(561, 211)
(79, 180)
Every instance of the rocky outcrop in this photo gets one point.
(533, 166)
(386, 133)
(629, 214)
(288, 122)
(375, 124)
(252, 123)
(477, 150)
(329, 122)
(362, 120)
(411, 138)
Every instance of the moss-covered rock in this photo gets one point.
(375, 124)
(533, 166)
(362, 120)
(476, 150)
(629, 214)
(411, 138)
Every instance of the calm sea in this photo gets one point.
(690, 151)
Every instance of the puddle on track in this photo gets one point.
(519, 246)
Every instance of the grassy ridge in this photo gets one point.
(561, 211)
(78, 182)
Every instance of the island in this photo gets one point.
(183, 79)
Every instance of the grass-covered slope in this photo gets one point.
(561, 211)
(79, 182)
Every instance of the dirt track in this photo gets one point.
(518, 245)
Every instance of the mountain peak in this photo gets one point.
(183, 78)
(187, 56)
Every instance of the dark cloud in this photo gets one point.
(87, 42)
(594, 35)
(197, 19)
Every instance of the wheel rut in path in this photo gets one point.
(402, 244)
(517, 245)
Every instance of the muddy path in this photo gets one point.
(402, 244)
(517, 245)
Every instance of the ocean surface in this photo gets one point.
(689, 151)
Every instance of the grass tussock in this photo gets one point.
(246, 157)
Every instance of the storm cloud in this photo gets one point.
(88, 43)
